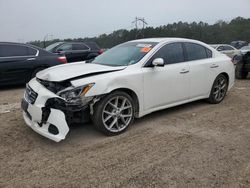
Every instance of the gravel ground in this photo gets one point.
(193, 145)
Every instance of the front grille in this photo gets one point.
(30, 95)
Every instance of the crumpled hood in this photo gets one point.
(73, 70)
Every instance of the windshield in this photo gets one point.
(52, 46)
(125, 54)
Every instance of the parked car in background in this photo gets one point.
(245, 49)
(76, 51)
(126, 82)
(20, 62)
(239, 44)
(243, 65)
(230, 51)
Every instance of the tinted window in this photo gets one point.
(9, 50)
(195, 51)
(228, 48)
(80, 47)
(65, 47)
(171, 53)
(32, 51)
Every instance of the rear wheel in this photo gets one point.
(219, 89)
(114, 113)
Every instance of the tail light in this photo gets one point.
(101, 51)
(62, 59)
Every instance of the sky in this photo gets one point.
(27, 20)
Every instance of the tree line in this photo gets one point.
(220, 32)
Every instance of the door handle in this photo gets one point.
(214, 66)
(31, 59)
(183, 71)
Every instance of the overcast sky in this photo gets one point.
(25, 20)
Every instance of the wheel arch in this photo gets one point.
(226, 75)
(134, 96)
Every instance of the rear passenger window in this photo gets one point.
(195, 51)
(171, 53)
(80, 47)
(11, 50)
(32, 51)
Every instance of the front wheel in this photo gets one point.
(114, 113)
(219, 89)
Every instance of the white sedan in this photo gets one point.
(229, 50)
(126, 82)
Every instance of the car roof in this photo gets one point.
(22, 44)
(166, 39)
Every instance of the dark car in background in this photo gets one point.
(20, 62)
(242, 66)
(239, 44)
(76, 51)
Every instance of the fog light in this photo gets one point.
(53, 129)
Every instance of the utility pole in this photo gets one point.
(138, 21)
(46, 37)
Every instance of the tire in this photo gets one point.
(36, 71)
(239, 72)
(108, 116)
(219, 89)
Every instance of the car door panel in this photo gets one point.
(202, 75)
(166, 85)
(15, 69)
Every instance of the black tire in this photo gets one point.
(102, 105)
(36, 71)
(239, 71)
(220, 88)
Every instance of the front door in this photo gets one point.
(168, 84)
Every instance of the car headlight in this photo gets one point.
(76, 96)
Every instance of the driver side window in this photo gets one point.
(170, 53)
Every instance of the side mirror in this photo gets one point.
(159, 62)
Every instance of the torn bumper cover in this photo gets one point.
(47, 114)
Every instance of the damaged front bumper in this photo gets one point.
(47, 114)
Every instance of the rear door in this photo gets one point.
(80, 51)
(202, 69)
(16, 61)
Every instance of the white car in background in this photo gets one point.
(229, 50)
(245, 49)
(126, 82)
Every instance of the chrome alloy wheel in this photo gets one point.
(220, 88)
(117, 114)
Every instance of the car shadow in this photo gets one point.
(88, 132)
(12, 87)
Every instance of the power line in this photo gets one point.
(137, 21)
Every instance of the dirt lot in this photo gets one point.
(194, 145)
